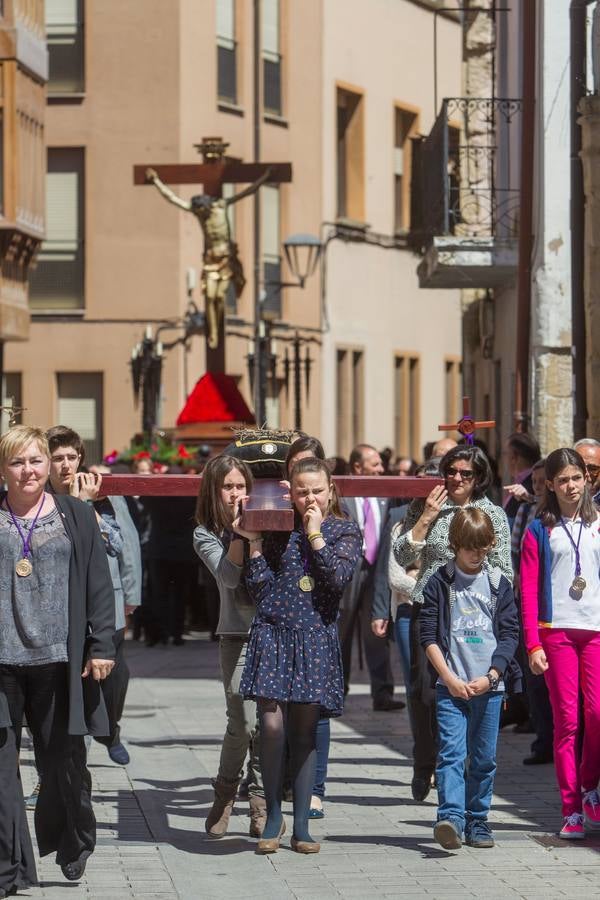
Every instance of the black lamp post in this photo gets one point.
(146, 368)
(302, 252)
(147, 359)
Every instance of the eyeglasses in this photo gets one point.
(465, 474)
(593, 470)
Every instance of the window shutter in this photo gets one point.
(270, 28)
(226, 19)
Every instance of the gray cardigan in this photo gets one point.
(237, 609)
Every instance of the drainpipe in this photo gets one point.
(577, 12)
(528, 57)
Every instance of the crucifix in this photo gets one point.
(467, 424)
(221, 264)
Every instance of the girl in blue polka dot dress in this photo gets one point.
(293, 665)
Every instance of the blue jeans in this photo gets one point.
(402, 635)
(323, 737)
(466, 729)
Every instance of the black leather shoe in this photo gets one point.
(420, 787)
(73, 871)
(538, 759)
(387, 704)
(524, 728)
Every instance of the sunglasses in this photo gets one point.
(465, 474)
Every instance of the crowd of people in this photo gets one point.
(490, 593)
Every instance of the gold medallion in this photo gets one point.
(579, 584)
(23, 568)
(306, 583)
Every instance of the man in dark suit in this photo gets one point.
(521, 452)
(370, 514)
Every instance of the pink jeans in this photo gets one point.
(574, 668)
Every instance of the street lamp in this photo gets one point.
(302, 252)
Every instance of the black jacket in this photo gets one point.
(435, 621)
(91, 618)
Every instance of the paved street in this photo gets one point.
(376, 842)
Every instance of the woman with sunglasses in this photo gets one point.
(424, 542)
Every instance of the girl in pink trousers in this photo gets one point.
(560, 587)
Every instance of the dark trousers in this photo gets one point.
(114, 690)
(377, 651)
(421, 700)
(64, 818)
(171, 583)
(540, 712)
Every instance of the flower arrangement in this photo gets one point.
(161, 452)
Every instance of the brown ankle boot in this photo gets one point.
(217, 821)
(258, 815)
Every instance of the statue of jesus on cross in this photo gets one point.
(221, 263)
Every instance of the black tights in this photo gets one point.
(296, 723)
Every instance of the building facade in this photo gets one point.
(343, 92)
(509, 237)
(23, 75)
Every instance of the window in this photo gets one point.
(12, 394)
(350, 399)
(405, 128)
(58, 281)
(350, 155)
(271, 57)
(226, 52)
(270, 243)
(407, 405)
(453, 386)
(64, 27)
(80, 407)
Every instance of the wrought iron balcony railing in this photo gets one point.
(465, 172)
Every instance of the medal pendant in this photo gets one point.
(23, 568)
(579, 584)
(306, 583)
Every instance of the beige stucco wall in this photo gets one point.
(385, 49)
(150, 94)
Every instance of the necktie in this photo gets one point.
(370, 532)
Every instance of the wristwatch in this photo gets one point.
(494, 680)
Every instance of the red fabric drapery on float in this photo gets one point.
(215, 398)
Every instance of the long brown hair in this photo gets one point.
(211, 512)
(549, 509)
(312, 464)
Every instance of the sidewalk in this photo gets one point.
(376, 842)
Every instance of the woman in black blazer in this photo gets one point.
(56, 645)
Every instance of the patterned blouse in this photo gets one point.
(437, 550)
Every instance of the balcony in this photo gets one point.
(465, 194)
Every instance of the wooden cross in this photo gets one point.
(215, 171)
(467, 425)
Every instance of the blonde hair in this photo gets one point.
(17, 438)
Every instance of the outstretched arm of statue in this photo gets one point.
(152, 176)
(251, 189)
